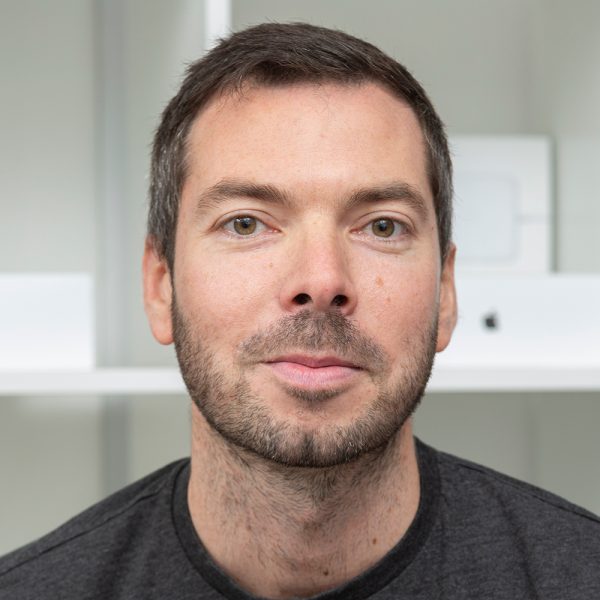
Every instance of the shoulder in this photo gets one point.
(86, 541)
(479, 485)
(522, 530)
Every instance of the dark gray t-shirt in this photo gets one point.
(477, 534)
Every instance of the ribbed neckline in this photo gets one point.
(371, 581)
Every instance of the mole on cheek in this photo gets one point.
(378, 281)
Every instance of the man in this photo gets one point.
(299, 256)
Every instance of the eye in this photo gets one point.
(244, 225)
(386, 228)
(383, 227)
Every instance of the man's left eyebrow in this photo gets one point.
(401, 191)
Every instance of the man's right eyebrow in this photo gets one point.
(229, 189)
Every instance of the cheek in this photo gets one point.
(224, 298)
(400, 304)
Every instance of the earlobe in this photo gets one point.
(158, 293)
(448, 306)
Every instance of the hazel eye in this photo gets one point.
(244, 226)
(383, 227)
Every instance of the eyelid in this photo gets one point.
(403, 223)
(229, 219)
(260, 226)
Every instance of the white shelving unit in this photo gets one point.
(154, 381)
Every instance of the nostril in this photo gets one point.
(339, 300)
(302, 299)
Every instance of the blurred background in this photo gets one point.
(83, 85)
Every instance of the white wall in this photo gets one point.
(565, 94)
(47, 179)
(472, 57)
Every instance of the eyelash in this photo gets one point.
(229, 225)
(401, 229)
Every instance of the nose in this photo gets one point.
(319, 276)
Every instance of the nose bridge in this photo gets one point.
(319, 276)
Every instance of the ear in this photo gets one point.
(158, 293)
(448, 306)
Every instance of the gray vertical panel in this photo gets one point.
(112, 227)
(142, 48)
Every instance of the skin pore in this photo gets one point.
(307, 301)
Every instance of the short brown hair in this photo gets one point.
(275, 54)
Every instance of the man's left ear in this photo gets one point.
(447, 307)
(158, 294)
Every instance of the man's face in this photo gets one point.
(307, 284)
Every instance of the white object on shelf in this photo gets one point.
(502, 204)
(46, 321)
(536, 322)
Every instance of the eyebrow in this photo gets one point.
(228, 189)
(397, 190)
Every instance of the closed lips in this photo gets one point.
(313, 362)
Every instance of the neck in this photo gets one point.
(290, 532)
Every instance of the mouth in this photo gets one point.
(311, 372)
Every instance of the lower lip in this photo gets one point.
(302, 376)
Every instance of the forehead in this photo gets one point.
(308, 137)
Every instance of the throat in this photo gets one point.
(283, 532)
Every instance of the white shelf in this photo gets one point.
(509, 378)
(150, 381)
(125, 381)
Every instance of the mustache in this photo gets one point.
(307, 331)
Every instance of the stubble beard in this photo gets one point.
(241, 417)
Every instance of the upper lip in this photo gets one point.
(315, 361)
